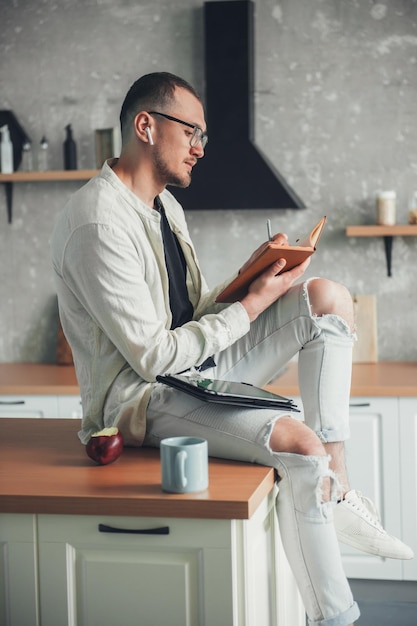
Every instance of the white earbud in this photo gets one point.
(148, 132)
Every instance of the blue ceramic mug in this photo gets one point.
(184, 464)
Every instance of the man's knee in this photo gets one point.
(330, 298)
(289, 435)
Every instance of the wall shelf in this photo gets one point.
(387, 232)
(39, 177)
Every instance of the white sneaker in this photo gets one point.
(358, 524)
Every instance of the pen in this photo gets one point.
(268, 229)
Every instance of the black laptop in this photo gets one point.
(228, 392)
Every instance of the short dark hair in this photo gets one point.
(150, 92)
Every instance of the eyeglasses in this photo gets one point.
(198, 135)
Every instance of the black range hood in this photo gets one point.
(233, 174)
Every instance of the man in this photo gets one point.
(134, 305)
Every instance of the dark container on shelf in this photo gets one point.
(70, 150)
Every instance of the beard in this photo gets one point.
(166, 173)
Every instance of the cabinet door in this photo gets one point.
(28, 406)
(268, 589)
(87, 577)
(203, 573)
(18, 597)
(70, 406)
(373, 462)
(408, 443)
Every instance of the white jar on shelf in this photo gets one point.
(386, 208)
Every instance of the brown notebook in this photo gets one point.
(270, 252)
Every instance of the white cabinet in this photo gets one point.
(373, 462)
(408, 466)
(28, 406)
(18, 592)
(40, 406)
(204, 572)
(88, 577)
(381, 463)
(70, 406)
(199, 573)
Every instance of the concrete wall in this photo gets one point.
(336, 93)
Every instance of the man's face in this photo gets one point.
(174, 157)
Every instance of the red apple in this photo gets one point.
(105, 446)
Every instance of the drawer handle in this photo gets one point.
(162, 530)
(11, 402)
(353, 404)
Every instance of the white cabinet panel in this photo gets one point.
(373, 462)
(69, 406)
(98, 577)
(28, 406)
(18, 594)
(408, 447)
(111, 584)
(41, 406)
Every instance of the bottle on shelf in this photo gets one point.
(43, 157)
(70, 150)
(27, 157)
(6, 151)
(412, 213)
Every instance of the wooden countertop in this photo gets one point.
(44, 469)
(37, 379)
(387, 378)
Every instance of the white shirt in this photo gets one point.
(112, 288)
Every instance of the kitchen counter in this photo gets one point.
(44, 469)
(37, 379)
(386, 378)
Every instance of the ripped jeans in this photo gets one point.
(324, 348)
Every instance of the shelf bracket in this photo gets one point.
(9, 200)
(388, 239)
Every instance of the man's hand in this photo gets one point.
(278, 238)
(270, 286)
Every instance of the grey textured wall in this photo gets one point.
(336, 94)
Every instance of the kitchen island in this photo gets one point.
(382, 450)
(87, 544)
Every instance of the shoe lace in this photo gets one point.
(370, 510)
